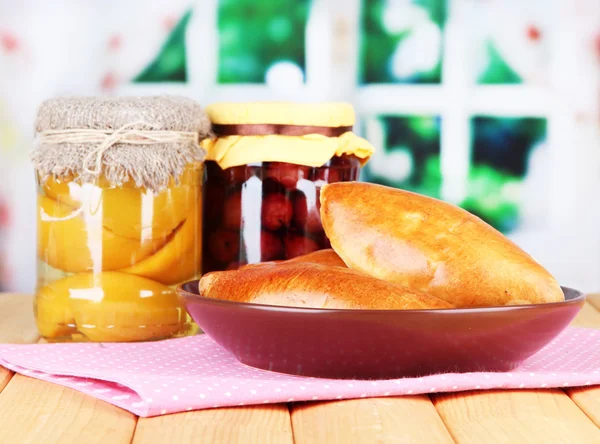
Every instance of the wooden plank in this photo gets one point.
(594, 299)
(260, 424)
(588, 317)
(38, 411)
(35, 411)
(588, 400)
(17, 324)
(5, 376)
(395, 419)
(515, 416)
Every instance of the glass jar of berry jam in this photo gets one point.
(264, 171)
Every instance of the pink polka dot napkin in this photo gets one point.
(156, 378)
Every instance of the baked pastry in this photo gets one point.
(430, 246)
(323, 257)
(301, 284)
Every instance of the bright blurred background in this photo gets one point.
(493, 105)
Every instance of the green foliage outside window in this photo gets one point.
(170, 64)
(498, 167)
(497, 71)
(412, 144)
(253, 35)
(379, 42)
(500, 155)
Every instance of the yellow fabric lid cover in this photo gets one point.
(303, 134)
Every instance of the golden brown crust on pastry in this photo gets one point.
(323, 257)
(312, 285)
(430, 246)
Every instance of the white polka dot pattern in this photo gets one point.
(176, 375)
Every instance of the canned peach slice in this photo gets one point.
(113, 306)
(127, 211)
(179, 259)
(53, 312)
(71, 241)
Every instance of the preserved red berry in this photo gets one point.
(232, 211)
(234, 265)
(276, 211)
(287, 174)
(328, 175)
(212, 205)
(296, 245)
(224, 245)
(271, 247)
(236, 175)
(306, 216)
(270, 186)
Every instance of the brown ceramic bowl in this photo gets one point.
(379, 344)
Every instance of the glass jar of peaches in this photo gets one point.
(119, 216)
(263, 176)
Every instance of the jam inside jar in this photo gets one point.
(266, 211)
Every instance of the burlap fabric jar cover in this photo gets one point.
(119, 215)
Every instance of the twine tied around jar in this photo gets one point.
(105, 139)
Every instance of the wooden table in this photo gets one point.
(33, 411)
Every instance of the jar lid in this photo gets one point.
(302, 134)
(282, 113)
(147, 140)
(152, 112)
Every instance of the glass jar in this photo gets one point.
(267, 211)
(268, 208)
(111, 252)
